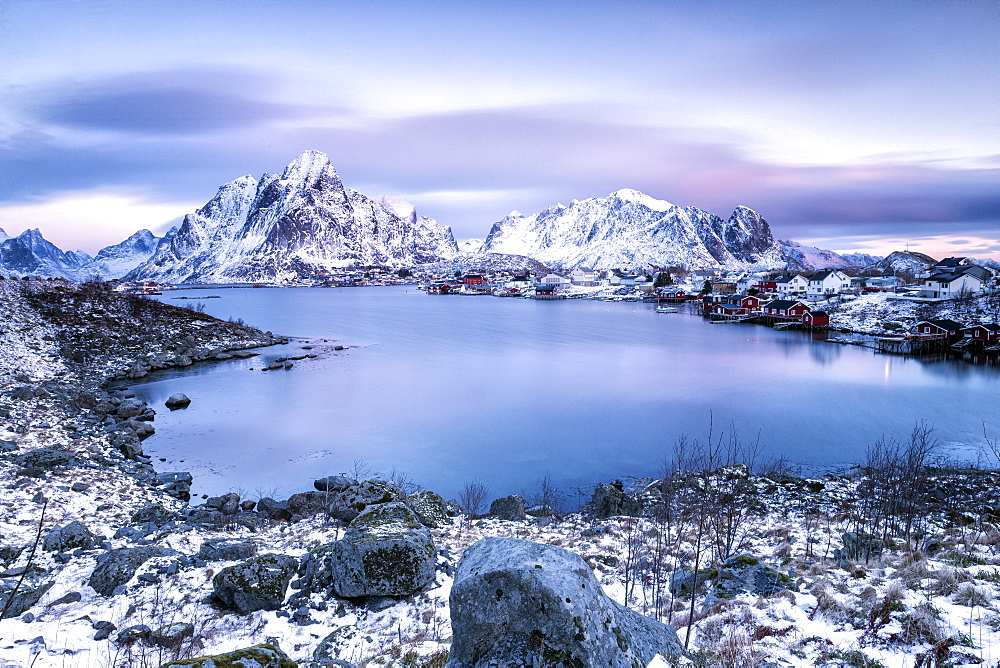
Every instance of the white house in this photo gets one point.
(829, 282)
(583, 276)
(554, 279)
(791, 285)
(959, 279)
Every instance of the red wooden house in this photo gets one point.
(936, 329)
(814, 319)
(785, 308)
(983, 333)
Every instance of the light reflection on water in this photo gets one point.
(450, 388)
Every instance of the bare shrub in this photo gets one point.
(923, 625)
(472, 498)
(970, 596)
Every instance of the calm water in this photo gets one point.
(451, 388)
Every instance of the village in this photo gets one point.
(775, 299)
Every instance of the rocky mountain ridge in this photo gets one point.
(628, 228)
(30, 254)
(291, 225)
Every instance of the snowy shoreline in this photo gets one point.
(831, 616)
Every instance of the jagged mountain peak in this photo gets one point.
(3, 235)
(629, 228)
(292, 225)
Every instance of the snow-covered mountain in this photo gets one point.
(485, 263)
(800, 257)
(861, 259)
(910, 262)
(630, 229)
(471, 246)
(30, 254)
(291, 225)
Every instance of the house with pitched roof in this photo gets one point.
(956, 280)
(829, 282)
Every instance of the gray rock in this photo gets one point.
(683, 582)
(27, 595)
(334, 483)
(515, 602)
(227, 549)
(256, 584)
(431, 509)
(745, 573)
(79, 487)
(510, 508)
(182, 360)
(346, 505)
(8, 446)
(72, 536)
(273, 510)
(171, 635)
(258, 656)
(154, 513)
(71, 597)
(858, 545)
(116, 567)
(45, 458)
(611, 501)
(384, 552)
(129, 635)
(178, 400)
(130, 408)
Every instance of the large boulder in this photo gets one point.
(385, 551)
(44, 458)
(858, 545)
(509, 508)
(256, 584)
(178, 400)
(116, 567)
(72, 536)
(515, 602)
(334, 483)
(258, 656)
(347, 504)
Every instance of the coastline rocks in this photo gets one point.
(72, 536)
(509, 508)
(256, 584)
(258, 656)
(515, 602)
(116, 567)
(44, 458)
(385, 552)
(176, 401)
(273, 510)
(345, 504)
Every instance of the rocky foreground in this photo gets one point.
(106, 562)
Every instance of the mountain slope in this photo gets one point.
(290, 225)
(29, 254)
(800, 257)
(910, 262)
(628, 229)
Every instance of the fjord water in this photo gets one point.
(451, 388)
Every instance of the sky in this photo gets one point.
(856, 126)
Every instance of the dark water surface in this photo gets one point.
(451, 388)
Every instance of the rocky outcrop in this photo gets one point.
(258, 656)
(256, 584)
(515, 602)
(116, 567)
(509, 508)
(72, 536)
(431, 508)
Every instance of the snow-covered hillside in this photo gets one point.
(628, 228)
(905, 262)
(293, 224)
(806, 258)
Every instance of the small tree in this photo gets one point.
(706, 287)
(404, 273)
(473, 497)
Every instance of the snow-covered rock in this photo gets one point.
(904, 262)
(291, 225)
(628, 229)
(468, 246)
(861, 259)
